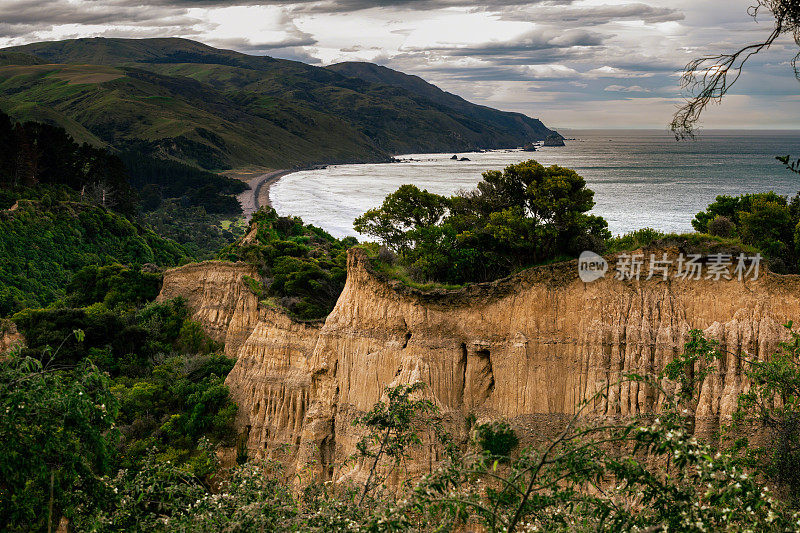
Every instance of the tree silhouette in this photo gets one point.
(709, 78)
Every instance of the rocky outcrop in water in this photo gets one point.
(554, 140)
(529, 348)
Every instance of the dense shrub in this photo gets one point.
(201, 233)
(166, 372)
(721, 226)
(497, 438)
(767, 221)
(302, 265)
(524, 215)
(113, 285)
(42, 247)
(57, 435)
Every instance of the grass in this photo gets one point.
(650, 238)
(400, 272)
(229, 224)
(72, 74)
(32, 111)
(87, 74)
(271, 302)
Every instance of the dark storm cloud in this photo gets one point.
(533, 40)
(536, 47)
(343, 6)
(321, 6)
(129, 18)
(340, 6)
(19, 30)
(247, 46)
(38, 13)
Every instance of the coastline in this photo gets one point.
(630, 165)
(258, 193)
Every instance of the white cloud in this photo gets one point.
(550, 71)
(623, 89)
(607, 71)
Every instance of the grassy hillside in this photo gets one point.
(220, 109)
(502, 120)
(174, 117)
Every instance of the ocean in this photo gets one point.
(640, 178)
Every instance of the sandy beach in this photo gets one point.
(258, 193)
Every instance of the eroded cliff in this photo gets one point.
(528, 348)
(9, 336)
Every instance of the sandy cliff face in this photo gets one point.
(271, 379)
(219, 298)
(528, 348)
(9, 336)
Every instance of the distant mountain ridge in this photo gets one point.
(218, 109)
(383, 75)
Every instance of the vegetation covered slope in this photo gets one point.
(56, 201)
(221, 109)
(385, 76)
(303, 268)
(42, 244)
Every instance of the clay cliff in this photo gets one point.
(528, 348)
(9, 336)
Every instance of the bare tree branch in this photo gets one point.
(708, 79)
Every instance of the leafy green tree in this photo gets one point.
(733, 206)
(767, 224)
(403, 212)
(56, 437)
(113, 285)
(521, 216)
(767, 221)
(530, 213)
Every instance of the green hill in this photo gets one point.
(220, 109)
(502, 120)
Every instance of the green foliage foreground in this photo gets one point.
(54, 434)
(137, 384)
(644, 474)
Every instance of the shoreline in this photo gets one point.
(257, 195)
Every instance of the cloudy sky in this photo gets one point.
(572, 63)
